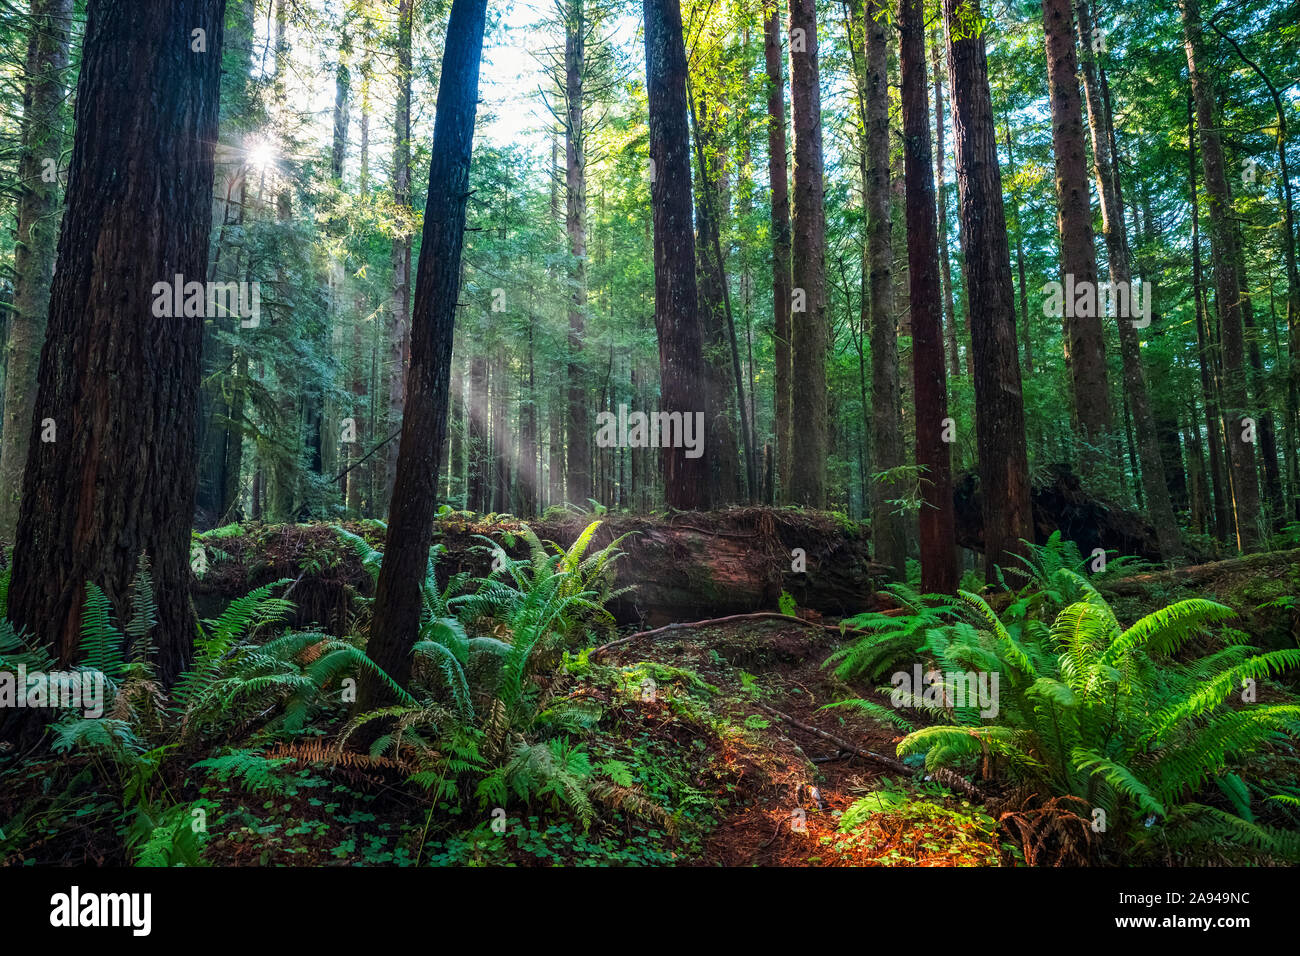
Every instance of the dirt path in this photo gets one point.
(792, 787)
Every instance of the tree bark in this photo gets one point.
(342, 96)
(887, 452)
(1026, 330)
(1000, 416)
(37, 236)
(399, 338)
(1205, 348)
(397, 607)
(1154, 486)
(477, 499)
(501, 437)
(1228, 285)
(578, 465)
(720, 433)
(1085, 344)
(938, 547)
(120, 384)
(778, 177)
(941, 189)
(527, 483)
(1292, 280)
(810, 338)
(677, 321)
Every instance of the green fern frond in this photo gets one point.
(880, 712)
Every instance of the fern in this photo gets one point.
(100, 642)
(250, 769)
(1092, 710)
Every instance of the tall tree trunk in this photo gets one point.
(1290, 450)
(38, 231)
(778, 176)
(501, 438)
(360, 395)
(1154, 486)
(555, 469)
(458, 429)
(888, 529)
(284, 483)
(477, 499)
(1200, 496)
(399, 340)
(578, 465)
(1085, 343)
(677, 321)
(363, 180)
(715, 217)
(233, 452)
(941, 188)
(342, 95)
(810, 339)
(720, 432)
(1228, 285)
(1026, 330)
(1205, 348)
(424, 421)
(1000, 414)
(937, 522)
(119, 382)
(1267, 432)
(528, 435)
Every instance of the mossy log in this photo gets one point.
(1060, 503)
(680, 567)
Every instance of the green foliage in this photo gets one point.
(787, 605)
(491, 731)
(1104, 713)
(891, 638)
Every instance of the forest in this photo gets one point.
(686, 433)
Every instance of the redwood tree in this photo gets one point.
(677, 321)
(937, 521)
(44, 93)
(810, 334)
(111, 471)
(399, 332)
(396, 622)
(578, 486)
(779, 180)
(888, 530)
(1085, 344)
(1228, 285)
(1121, 274)
(1000, 422)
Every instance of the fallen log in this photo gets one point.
(1061, 504)
(688, 566)
(680, 567)
(1198, 574)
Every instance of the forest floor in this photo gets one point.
(681, 718)
(791, 788)
(706, 773)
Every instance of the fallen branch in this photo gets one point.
(943, 775)
(729, 619)
(1199, 573)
